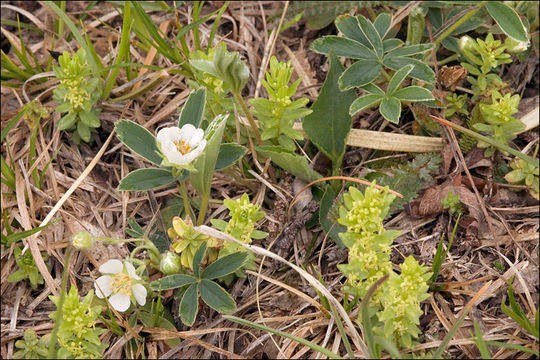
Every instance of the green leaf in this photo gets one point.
(67, 121)
(190, 305)
(138, 139)
(382, 23)
(7, 240)
(229, 154)
(206, 163)
(84, 131)
(348, 26)
(364, 102)
(224, 266)
(359, 74)
(172, 282)
(409, 50)
(90, 118)
(413, 93)
(198, 257)
(193, 110)
(397, 79)
(146, 179)
(390, 109)
(342, 47)
(420, 72)
(371, 34)
(507, 19)
(293, 163)
(216, 297)
(329, 124)
(373, 89)
(391, 44)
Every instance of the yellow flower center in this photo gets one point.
(121, 283)
(182, 146)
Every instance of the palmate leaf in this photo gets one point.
(193, 110)
(146, 179)
(189, 306)
(390, 109)
(348, 26)
(371, 34)
(359, 74)
(138, 139)
(172, 282)
(507, 19)
(420, 71)
(382, 24)
(229, 154)
(342, 47)
(364, 102)
(224, 266)
(216, 297)
(413, 93)
(397, 79)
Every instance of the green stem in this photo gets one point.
(60, 307)
(202, 210)
(243, 104)
(32, 153)
(150, 248)
(446, 60)
(187, 206)
(457, 24)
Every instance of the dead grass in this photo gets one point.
(79, 193)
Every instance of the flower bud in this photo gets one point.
(170, 263)
(515, 46)
(82, 240)
(466, 43)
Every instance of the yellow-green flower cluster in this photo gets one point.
(367, 240)
(186, 241)
(76, 95)
(397, 301)
(244, 215)
(400, 300)
(497, 120)
(241, 226)
(77, 334)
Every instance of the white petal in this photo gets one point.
(131, 271)
(177, 158)
(188, 131)
(120, 301)
(197, 137)
(139, 291)
(168, 134)
(103, 286)
(113, 266)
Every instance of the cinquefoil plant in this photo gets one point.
(77, 95)
(365, 42)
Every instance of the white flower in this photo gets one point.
(180, 146)
(120, 281)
